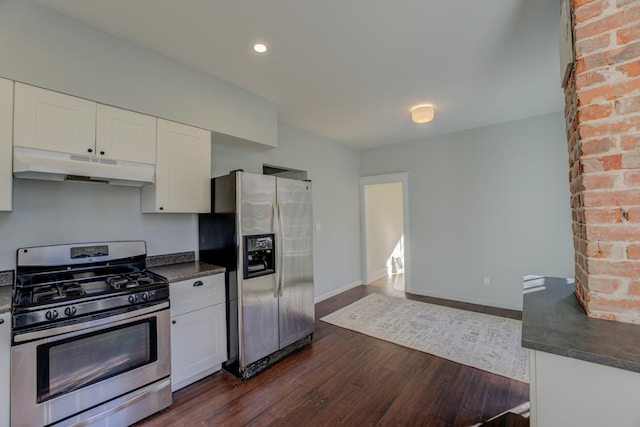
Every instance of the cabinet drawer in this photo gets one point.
(194, 294)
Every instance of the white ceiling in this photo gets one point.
(350, 70)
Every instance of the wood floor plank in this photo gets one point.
(347, 378)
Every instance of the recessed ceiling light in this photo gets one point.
(260, 47)
(423, 113)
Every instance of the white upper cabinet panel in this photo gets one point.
(125, 135)
(6, 132)
(183, 170)
(53, 121)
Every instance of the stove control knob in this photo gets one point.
(51, 314)
(133, 299)
(145, 296)
(70, 311)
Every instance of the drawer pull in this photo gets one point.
(1, 321)
(198, 283)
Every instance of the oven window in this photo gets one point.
(68, 365)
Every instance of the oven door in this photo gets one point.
(60, 375)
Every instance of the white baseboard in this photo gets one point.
(337, 291)
(479, 301)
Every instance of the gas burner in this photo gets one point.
(141, 279)
(72, 289)
(132, 280)
(55, 292)
(45, 293)
(119, 282)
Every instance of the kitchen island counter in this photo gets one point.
(583, 371)
(554, 322)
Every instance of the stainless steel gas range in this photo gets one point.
(90, 336)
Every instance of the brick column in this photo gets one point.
(602, 111)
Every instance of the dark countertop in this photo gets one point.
(174, 258)
(186, 270)
(5, 298)
(6, 287)
(554, 322)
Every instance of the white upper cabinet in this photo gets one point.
(183, 170)
(125, 135)
(6, 132)
(53, 121)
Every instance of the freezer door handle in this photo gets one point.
(276, 222)
(281, 251)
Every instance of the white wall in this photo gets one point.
(333, 170)
(489, 202)
(49, 213)
(384, 225)
(42, 47)
(45, 48)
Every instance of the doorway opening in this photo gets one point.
(385, 222)
(284, 172)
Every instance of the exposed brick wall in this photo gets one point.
(602, 111)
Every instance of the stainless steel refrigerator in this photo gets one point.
(261, 231)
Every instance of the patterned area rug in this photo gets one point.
(482, 341)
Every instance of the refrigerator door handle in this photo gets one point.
(277, 244)
(281, 251)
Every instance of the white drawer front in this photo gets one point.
(194, 294)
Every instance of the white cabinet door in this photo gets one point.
(198, 344)
(183, 170)
(125, 135)
(53, 121)
(5, 367)
(6, 134)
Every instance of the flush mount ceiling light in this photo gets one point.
(423, 113)
(260, 48)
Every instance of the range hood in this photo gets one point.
(54, 166)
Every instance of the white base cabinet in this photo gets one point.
(569, 392)
(6, 135)
(198, 329)
(5, 368)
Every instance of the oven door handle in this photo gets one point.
(83, 326)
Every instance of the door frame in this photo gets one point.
(399, 177)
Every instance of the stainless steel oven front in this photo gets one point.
(111, 370)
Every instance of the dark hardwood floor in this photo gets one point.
(346, 378)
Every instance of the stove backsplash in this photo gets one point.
(49, 213)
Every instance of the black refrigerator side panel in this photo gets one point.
(218, 245)
(217, 240)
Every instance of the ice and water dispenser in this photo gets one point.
(259, 255)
